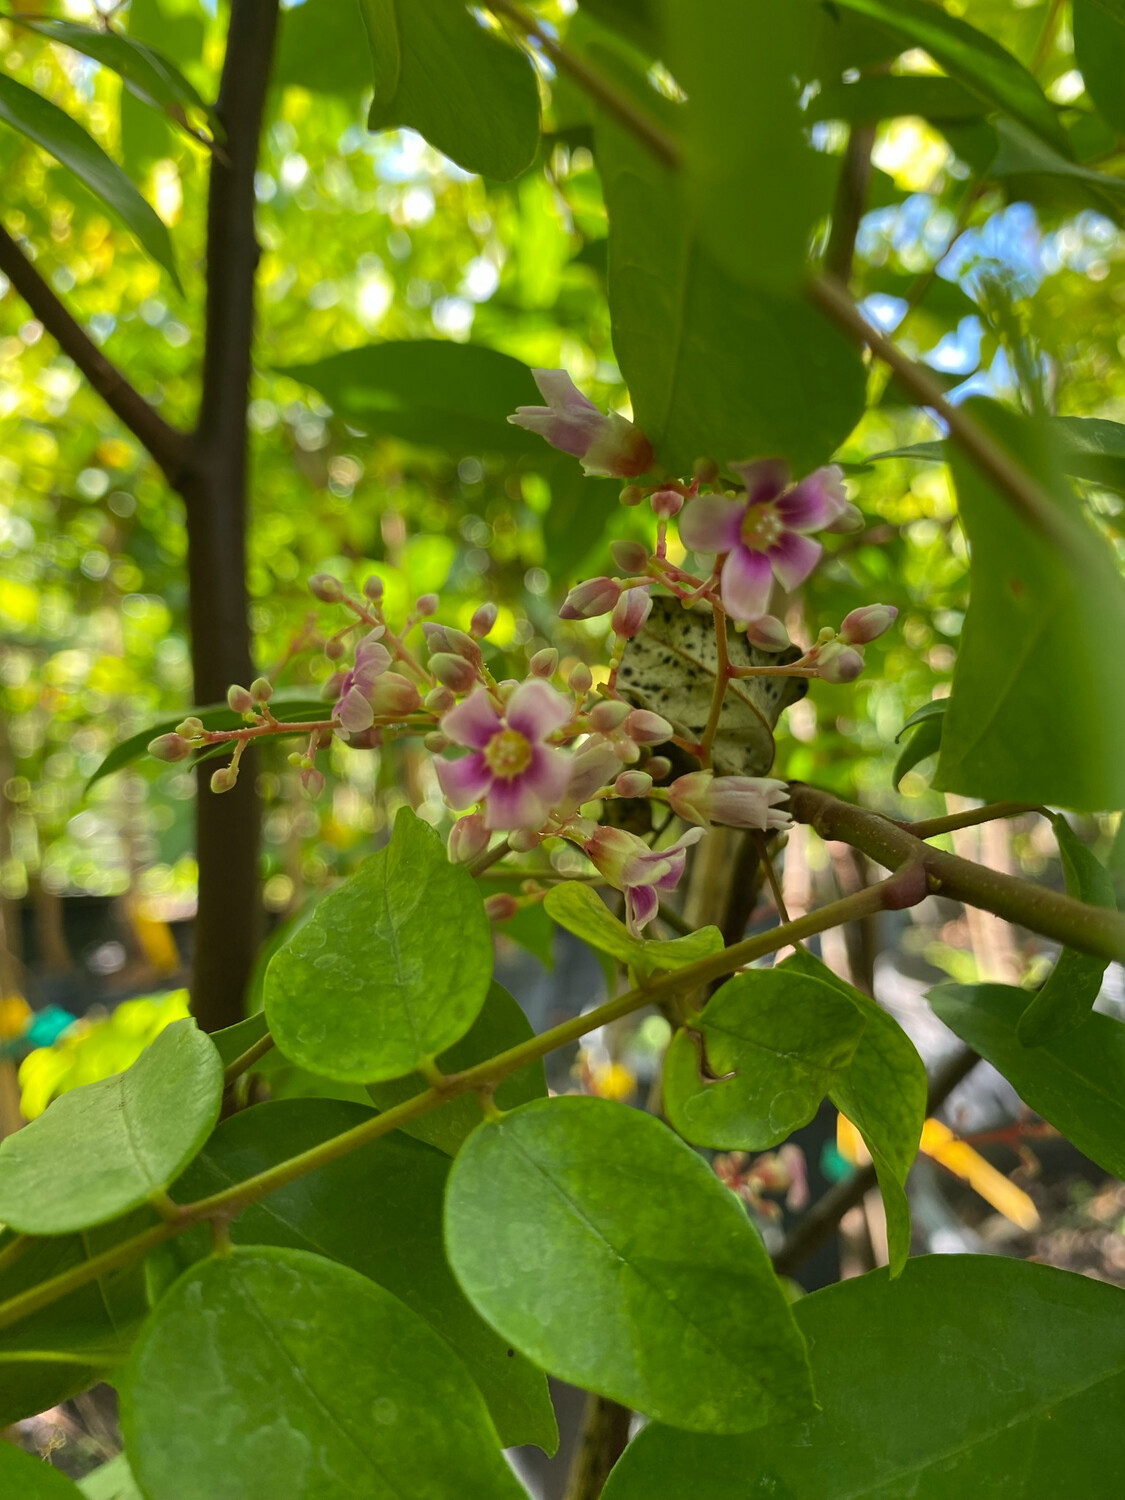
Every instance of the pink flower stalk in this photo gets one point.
(608, 445)
(762, 533)
(737, 801)
(643, 874)
(510, 767)
(353, 706)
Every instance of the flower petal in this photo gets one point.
(535, 709)
(764, 478)
(354, 711)
(794, 558)
(463, 781)
(472, 722)
(816, 501)
(745, 586)
(712, 524)
(560, 392)
(641, 905)
(524, 801)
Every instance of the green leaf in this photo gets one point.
(500, 1025)
(391, 968)
(972, 1376)
(756, 1064)
(975, 60)
(148, 75)
(1076, 1081)
(458, 83)
(883, 1092)
(25, 1476)
(392, 1235)
(1040, 174)
(436, 394)
(106, 1147)
(322, 46)
(1033, 669)
(1090, 448)
(715, 368)
(581, 911)
(887, 96)
(924, 728)
(233, 1041)
(611, 1255)
(112, 1481)
(1068, 995)
(296, 707)
(637, 20)
(257, 1375)
(49, 127)
(1099, 52)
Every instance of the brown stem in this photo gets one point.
(166, 443)
(851, 197)
(605, 1432)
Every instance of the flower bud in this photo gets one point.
(326, 588)
(191, 728)
(523, 841)
(223, 779)
(261, 690)
(609, 715)
(373, 588)
(736, 801)
(439, 700)
(169, 747)
(647, 728)
(837, 662)
(867, 624)
(581, 680)
(453, 672)
(435, 742)
(545, 663)
(630, 613)
(767, 633)
(666, 503)
(632, 494)
(334, 649)
(658, 766)
(467, 838)
(312, 781)
(627, 750)
(501, 907)
(239, 701)
(630, 556)
(705, 470)
(483, 620)
(427, 605)
(456, 642)
(394, 695)
(596, 596)
(633, 784)
(849, 519)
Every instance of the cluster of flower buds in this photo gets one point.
(776, 1172)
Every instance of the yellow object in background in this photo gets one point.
(155, 939)
(939, 1143)
(15, 1013)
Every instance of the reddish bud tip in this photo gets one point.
(581, 680)
(596, 596)
(545, 663)
(667, 503)
(261, 690)
(501, 908)
(609, 715)
(373, 588)
(467, 838)
(767, 633)
(483, 620)
(633, 784)
(630, 613)
(630, 556)
(439, 700)
(239, 700)
(169, 747)
(867, 624)
(326, 588)
(453, 672)
(334, 649)
(427, 604)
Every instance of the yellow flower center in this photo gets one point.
(762, 528)
(508, 753)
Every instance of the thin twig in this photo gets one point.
(929, 828)
(246, 1060)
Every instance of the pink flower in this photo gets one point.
(763, 533)
(867, 624)
(629, 865)
(510, 768)
(353, 706)
(737, 801)
(608, 445)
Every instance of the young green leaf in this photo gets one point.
(924, 729)
(1074, 1081)
(29, 1477)
(1024, 1404)
(1099, 51)
(52, 129)
(320, 1383)
(581, 911)
(756, 1064)
(1071, 988)
(460, 84)
(611, 1255)
(392, 1235)
(104, 1148)
(233, 1041)
(500, 1025)
(367, 989)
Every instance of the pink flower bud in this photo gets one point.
(312, 781)
(849, 519)
(837, 662)
(609, 715)
(767, 633)
(191, 728)
(373, 588)
(545, 663)
(630, 613)
(427, 605)
(630, 556)
(467, 838)
(394, 694)
(581, 680)
(483, 620)
(633, 784)
(523, 841)
(261, 690)
(631, 495)
(592, 768)
(439, 700)
(223, 779)
(658, 766)
(596, 596)
(647, 728)
(453, 672)
(239, 700)
(326, 588)
(867, 624)
(456, 642)
(334, 649)
(501, 907)
(666, 503)
(169, 747)
(737, 801)
(435, 742)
